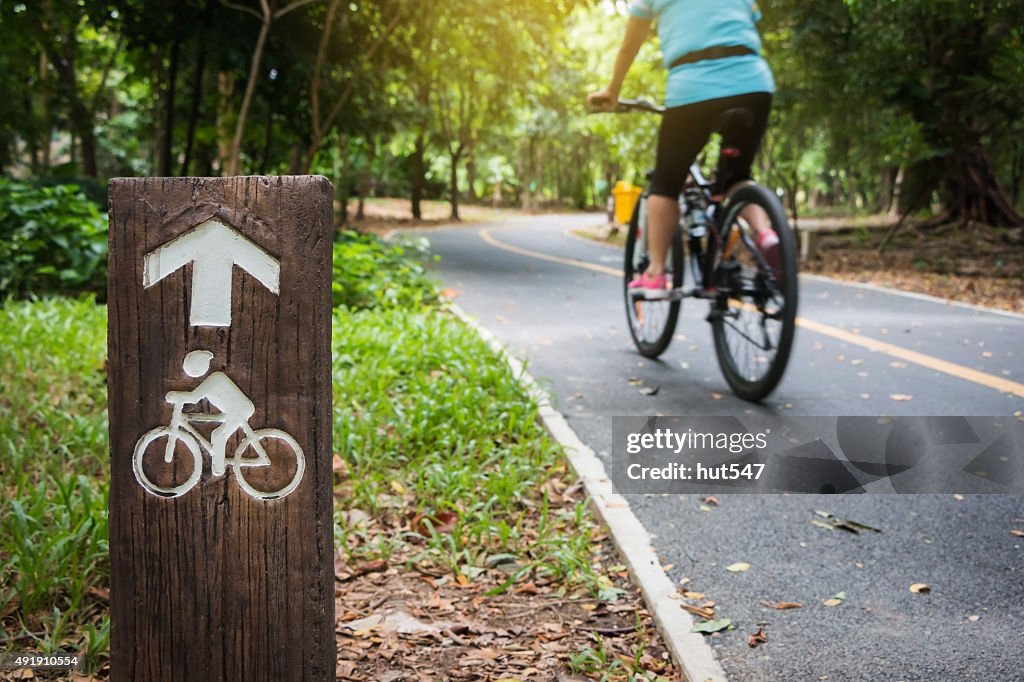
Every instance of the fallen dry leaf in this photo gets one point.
(900, 397)
(836, 599)
(781, 605)
(712, 626)
(973, 619)
(706, 614)
(1017, 533)
(710, 499)
(442, 523)
(920, 588)
(757, 638)
(100, 593)
(374, 566)
(738, 567)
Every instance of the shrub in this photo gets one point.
(52, 240)
(369, 272)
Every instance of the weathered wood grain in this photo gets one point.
(215, 584)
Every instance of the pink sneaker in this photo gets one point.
(768, 243)
(649, 286)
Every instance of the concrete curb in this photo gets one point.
(691, 655)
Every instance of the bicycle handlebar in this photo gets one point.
(624, 106)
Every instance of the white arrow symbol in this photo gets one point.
(213, 249)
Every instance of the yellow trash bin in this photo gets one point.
(626, 196)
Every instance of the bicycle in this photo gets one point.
(181, 430)
(752, 307)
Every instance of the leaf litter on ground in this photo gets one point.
(757, 638)
(831, 522)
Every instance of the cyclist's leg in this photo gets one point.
(683, 133)
(219, 441)
(741, 140)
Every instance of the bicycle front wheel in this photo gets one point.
(165, 477)
(274, 476)
(652, 322)
(753, 318)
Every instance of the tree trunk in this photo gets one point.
(197, 98)
(887, 188)
(235, 160)
(471, 179)
(225, 93)
(172, 78)
(44, 110)
(971, 191)
(366, 178)
(453, 182)
(417, 176)
(268, 139)
(297, 162)
(79, 117)
(341, 182)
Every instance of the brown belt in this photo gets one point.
(716, 52)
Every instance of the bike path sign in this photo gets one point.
(221, 530)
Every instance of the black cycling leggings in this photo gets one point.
(686, 129)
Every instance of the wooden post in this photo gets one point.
(221, 530)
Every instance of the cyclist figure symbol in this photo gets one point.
(234, 411)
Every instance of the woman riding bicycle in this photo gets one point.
(712, 51)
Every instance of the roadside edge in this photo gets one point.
(691, 654)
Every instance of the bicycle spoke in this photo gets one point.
(753, 325)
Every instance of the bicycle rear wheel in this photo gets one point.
(753, 318)
(652, 322)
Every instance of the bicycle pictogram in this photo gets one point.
(234, 411)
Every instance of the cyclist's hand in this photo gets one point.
(603, 100)
(178, 397)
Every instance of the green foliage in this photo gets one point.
(419, 400)
(370, 272)
(53, 470)
(52, 240)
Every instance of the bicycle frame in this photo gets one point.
(182, 424)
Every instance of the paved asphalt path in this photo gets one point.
(568, 322)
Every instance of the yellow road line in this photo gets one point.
(944, 366)
(951, 368)
(485, 234)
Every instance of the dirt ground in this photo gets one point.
(397, 625)
(983, 266)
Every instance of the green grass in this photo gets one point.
(427, 419)
(53, 453)
(430, 422)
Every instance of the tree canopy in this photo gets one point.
(910, 106)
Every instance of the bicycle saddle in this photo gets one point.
(734, 118)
